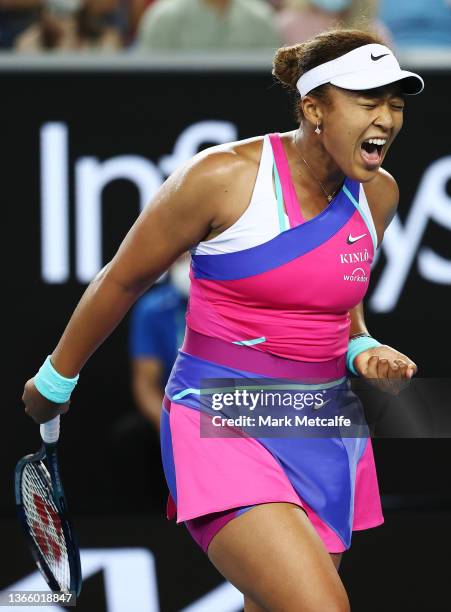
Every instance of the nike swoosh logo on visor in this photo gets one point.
(352, 238)
(378, 57)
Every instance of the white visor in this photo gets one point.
(363, 68)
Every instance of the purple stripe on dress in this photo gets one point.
(246, 358)
(326, 480)
(167, 454)
(281, 249)
(354, 187)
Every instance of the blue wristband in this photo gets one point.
(52, 385)
(357, 346)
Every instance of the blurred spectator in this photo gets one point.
(73, 25)
(157, 329)
(418, 23)
(277, 4)
(196, 25)
(136, 10)
(15, 17)
(300, 20)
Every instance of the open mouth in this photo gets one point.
(371, 150)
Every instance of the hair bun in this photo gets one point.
(286, 66)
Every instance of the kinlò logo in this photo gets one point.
(350, 258)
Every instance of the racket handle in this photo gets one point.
(50, 431)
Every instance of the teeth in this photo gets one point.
(377, 141)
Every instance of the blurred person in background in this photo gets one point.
(135, 10)
(300, 20)
(15, 17)
(277, 4)
(157, 328)
(73, 25)
(418, 23)
(196, 25)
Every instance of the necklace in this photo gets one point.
(329, 196)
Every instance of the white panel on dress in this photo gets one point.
(259, 222)
(363, 202)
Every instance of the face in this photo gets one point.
(360, 126)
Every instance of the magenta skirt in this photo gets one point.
(212, 480)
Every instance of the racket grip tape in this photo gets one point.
(50, 431)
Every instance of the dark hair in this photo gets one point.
(290, 63)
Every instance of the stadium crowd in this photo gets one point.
(31, 26)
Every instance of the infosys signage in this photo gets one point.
(403, 245)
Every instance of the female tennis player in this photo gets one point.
(282, 230)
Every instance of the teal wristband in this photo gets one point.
(52, 385)
(355, 347)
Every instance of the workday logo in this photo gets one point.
(358, 275)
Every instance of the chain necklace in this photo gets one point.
(329, 196)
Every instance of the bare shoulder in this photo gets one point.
(382, 194)
(206, 194)
(221, 178)
(225, 160)
(217, 167)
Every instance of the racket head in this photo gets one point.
(42, 511)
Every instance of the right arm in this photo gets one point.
(185, 209)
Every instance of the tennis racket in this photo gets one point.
(42, 510)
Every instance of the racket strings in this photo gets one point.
(44, 522)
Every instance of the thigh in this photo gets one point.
(274, 556)
(251, 606)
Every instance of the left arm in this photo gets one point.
(382, 361)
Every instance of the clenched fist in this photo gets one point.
(38, 407)
(385, 368)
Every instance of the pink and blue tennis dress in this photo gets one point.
(270, 298)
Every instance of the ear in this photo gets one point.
(312, 110)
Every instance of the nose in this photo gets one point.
(384, 117)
